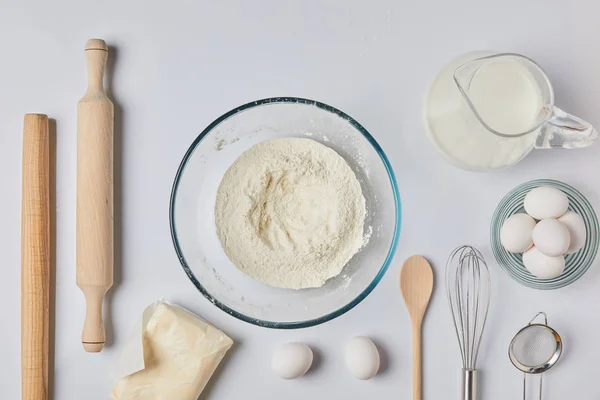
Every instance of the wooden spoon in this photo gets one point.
(416, 285)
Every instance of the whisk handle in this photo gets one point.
(469, 384)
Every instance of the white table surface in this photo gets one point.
(179, 65)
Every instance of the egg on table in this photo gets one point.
(516, 234)
(541, 265)
(546, 202)
(551, 237)
(362, 357)
(292, 360)
(576, 227)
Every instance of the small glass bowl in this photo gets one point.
(576, 264)
(193, 200)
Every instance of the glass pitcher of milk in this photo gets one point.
(487, 111)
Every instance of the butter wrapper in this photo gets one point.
(171, 354)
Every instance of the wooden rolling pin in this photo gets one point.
(35, 258)
(95, 251)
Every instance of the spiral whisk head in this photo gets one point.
(468, 287)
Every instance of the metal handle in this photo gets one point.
(469, 384)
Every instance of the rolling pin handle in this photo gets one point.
(96, 54)
(93, 336)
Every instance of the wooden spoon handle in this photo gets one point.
(417, 360)
(35, 258)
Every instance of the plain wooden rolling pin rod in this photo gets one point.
(95, 230)
(35, 258)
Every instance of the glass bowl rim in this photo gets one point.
(333, 314)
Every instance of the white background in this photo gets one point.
(179, 65)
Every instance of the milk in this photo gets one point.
(507, 99)
(506, 96)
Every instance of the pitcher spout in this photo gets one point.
(510, 94)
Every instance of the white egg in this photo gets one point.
(362, 357)
(576, 227)
(516, 234)
(546, 202)
(551, 237)
(292, 360)
(541, 265)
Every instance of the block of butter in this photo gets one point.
(172, 355)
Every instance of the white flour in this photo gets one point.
(290, 213)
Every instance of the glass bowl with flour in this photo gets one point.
(285, 213)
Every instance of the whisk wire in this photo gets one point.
(476, 282)
(455, 305)
(487, 288)
(460, 315)
(468, 289)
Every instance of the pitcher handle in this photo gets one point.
(565, 131)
